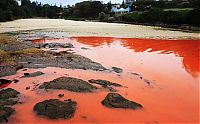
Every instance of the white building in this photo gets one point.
(120, 10)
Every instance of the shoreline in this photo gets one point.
(71, 28)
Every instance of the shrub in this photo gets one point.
(102, 16)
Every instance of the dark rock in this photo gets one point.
(137, 75)
(6, 99)
(117, 70)
(61, 95)
(84, 48)
(68, 83)
(111, 89)
(27, 88)
(4, 81)
(35, 74)
(104, 83)
(55, 109)
(5, 112)
(115, 100)
(68, 100)
(57, 45)
(147, 81)
(8, 102)
(26, 74)
(8, 93)
(15, 81)
(25, 69)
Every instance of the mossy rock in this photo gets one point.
(104, 83)
(54, 109)
(68, 83)
(8, 93)
(8, 102)
(5, 112)
(115, 100)
(117, 70)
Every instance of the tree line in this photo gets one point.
(10, 10)
(144, 11)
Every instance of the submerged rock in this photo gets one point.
(115, 100)
(55, 109)
(5, 112)
(104, 83)
(35, 74)
(117, 70)
(68, 83)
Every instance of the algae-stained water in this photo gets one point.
(170, 66)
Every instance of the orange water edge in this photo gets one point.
(172, 66)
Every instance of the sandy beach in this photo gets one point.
(81, 28)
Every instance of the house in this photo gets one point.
(121, 10)
(125, 7)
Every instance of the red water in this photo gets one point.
(172, 67)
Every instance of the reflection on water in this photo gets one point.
(171, 66)
(187, 49)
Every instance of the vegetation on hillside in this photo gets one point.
(175, 12)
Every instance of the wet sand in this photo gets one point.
(79, 28)
(171, 67)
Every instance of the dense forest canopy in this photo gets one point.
(10, 10)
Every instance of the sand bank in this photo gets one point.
(81, 28)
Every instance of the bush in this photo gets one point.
(102, 16)
(172, 17)
(154, 15)
(193, 17)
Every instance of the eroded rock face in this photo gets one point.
(55, 109)
(35, 74)
(104, 83)
(68, 83)
(115, 100)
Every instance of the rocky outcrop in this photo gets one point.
(6, 100)
(35, 74)
(4, 82)
(54, 109)
(68, 83)
(5, 112)
(56, 45)
(115, 100)
(8, 93)
(117, 70)
(104, 83)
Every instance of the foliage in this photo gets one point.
(9, 10)
(159, 16)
